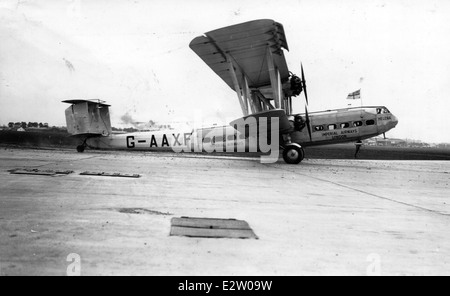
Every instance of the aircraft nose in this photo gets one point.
(394, 120)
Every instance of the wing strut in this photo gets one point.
(242, 101)
(266, 103)
(259, 106)
(274, 79)
(247, 94)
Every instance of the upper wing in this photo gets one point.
(251, 47)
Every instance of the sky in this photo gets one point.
(135, 55)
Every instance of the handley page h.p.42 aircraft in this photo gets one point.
(249, 58)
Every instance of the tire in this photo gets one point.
(293, 154)
(80, 148)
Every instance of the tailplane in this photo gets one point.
(88, 118)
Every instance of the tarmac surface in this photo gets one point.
(322, 217)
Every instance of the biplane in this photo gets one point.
(249, 58)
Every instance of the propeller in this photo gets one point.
(304, 84)
(308, 125)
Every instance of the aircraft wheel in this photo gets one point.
(80, 148)
(293, 154)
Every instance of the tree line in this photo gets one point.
(23, 124)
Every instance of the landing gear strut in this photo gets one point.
(358, 147)
(293, 154)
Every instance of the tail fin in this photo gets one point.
(85, 117)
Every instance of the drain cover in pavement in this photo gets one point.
(39, 172)
(140, 211)
(103, 174)
(211, 228)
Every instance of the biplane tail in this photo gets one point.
(88, 119)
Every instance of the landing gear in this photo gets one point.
(358, 147)
(82, 147)
(293, 154)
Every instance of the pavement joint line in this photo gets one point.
(365, 192)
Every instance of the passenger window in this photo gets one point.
(331, 127)
(231, 137)
(370, 122)
(345, 125)
(357, 123)
(242, 136)
(318, 128)
(207, 140)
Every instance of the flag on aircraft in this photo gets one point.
(356, 95)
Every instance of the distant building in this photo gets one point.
(20, 129)
(443, 146)
(385, 142)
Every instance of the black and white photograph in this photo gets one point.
(224, 143)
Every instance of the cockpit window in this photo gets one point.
(385, 111)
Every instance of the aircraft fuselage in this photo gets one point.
(327, 127)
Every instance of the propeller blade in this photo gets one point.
(308, 125)
(304, 84)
